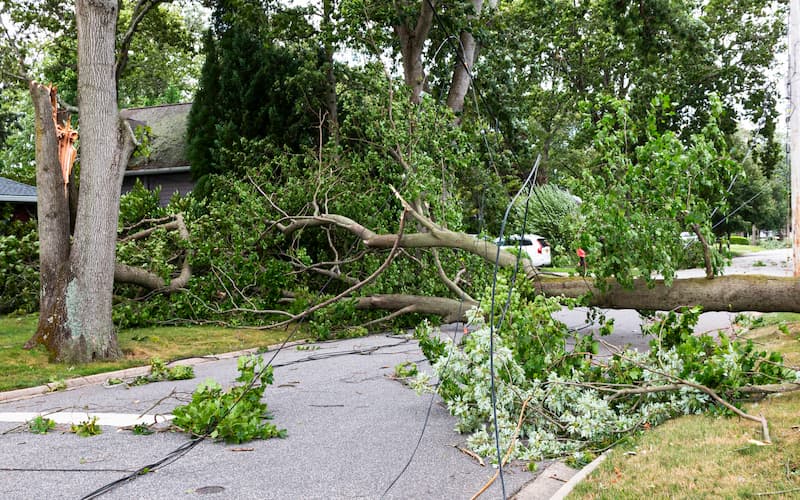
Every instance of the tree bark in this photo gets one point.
(465, 59)
(724, 293)
(450, 310)
(331, 101)
(412, 41)
(76, 324)
(53, 223)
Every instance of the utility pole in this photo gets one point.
(793, 82)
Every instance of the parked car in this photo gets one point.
(533, 246)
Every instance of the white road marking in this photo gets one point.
(76, 417)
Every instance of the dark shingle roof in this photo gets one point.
(16, 191)
(168, 135)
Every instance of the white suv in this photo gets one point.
(533, 246)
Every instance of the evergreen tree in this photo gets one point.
(254, 87)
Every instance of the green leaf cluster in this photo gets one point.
(644, 187)
(159, 372)
(234, 415)
(87, 428)
(572, 402)
(41, 425)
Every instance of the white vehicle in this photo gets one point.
(532, 246)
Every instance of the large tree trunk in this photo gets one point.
(465, 59)
(54, 224)
(412, 42)
(724, 293)
(77, 281)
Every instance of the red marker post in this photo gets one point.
(582, 256)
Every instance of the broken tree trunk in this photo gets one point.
(724, 293)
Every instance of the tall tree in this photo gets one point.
(77, 268)
(255, 84)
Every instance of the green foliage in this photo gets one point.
(405, 369)
(159, 372)
(739, 240)
(230, 251)
(87, 428)
(19, 264)
(577, 51)
(41, 425)
(141, 430)
(432, 346)
(721, 363)
(572, 399)
(139, 203)
(645, 187)
(235, 415)
(252, 87)
(550, 212)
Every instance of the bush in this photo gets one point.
(739, 240)
(551, 212)
(19, 265)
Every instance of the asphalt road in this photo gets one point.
(351, 431)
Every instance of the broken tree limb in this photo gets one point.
(677, 381)
(451, 310)
(369, 279)
(124, 273)
(724, 293)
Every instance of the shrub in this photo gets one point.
(551, 212)
(739, 240)
(19, 265)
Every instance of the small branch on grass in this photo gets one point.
(779, 492)
(699, 387)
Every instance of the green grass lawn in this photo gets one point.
(706, 456)
(28, 368)
(739, 250)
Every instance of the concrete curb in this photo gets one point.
(577, 478)
(99, 378)
(547, 483)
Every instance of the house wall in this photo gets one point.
(20, 211)
(169, 183)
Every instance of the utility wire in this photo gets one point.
(492, 328)
(427, 412)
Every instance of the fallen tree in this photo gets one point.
(723, 293)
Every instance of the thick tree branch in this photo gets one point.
(450, 310)
(724, 293)
(139, 12)
(124, 273)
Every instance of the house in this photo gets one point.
(21, 198)
(166, 165)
